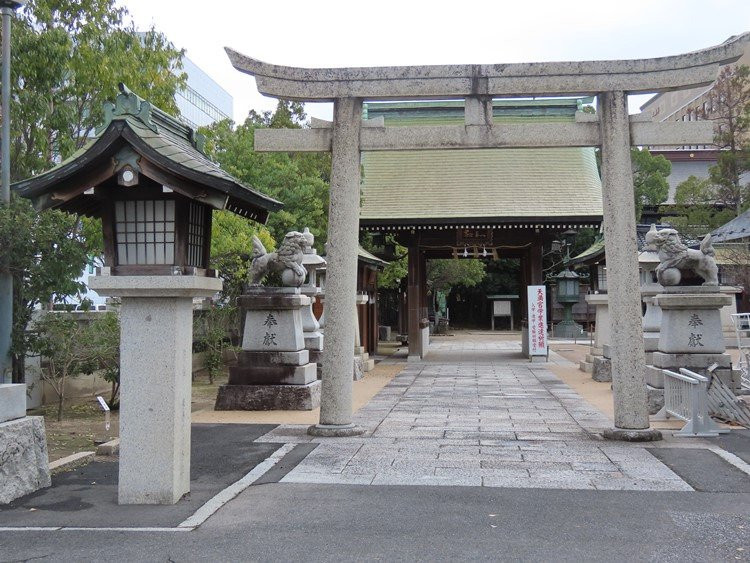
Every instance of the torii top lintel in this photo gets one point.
(497, 80)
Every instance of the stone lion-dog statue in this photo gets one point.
(675, 256)
(287, 260)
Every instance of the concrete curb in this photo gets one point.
(71, 462)
(109, 448)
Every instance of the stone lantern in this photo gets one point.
(567, 296)
(313, 263)
(146, 177)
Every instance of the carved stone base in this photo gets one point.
(268, 397)
(630, 435)
(335, 430)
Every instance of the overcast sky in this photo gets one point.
(318, 33)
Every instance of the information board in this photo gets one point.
(501, 308)
(537, 299)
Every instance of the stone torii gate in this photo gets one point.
(611, 129)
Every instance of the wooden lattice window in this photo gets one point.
(196, 234)
(145, 232)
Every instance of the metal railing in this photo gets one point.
(686, 398)
(742, 330)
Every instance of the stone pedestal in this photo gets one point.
(156, 316)
(273, 370)
(596, 364)
(651, 319)
(24, 465)
(727, 326)
(362, 361)
(311, 333)
(691, 337)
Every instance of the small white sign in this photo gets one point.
(537, 299)
(102, 403)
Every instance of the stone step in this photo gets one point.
(586, 367)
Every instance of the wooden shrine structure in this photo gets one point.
(474, 203)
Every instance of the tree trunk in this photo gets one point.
(19, 369)
(61, 395)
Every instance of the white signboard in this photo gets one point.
(537, 299)
(501, 308)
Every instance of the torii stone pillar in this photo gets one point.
(341, 276)
(628, 362)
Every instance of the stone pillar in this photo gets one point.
(341, 275)
(628, 362)
(414, 300)
(156, 317)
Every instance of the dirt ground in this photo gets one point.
(83, 426)
(80, 430)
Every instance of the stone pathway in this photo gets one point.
(476, 413)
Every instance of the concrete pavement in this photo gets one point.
(477, 413)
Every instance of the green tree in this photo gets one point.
(300, 181)
(444, 274)
(211, 335)
(697, 212)
(103, 347)
(46, 253)
(231, 249)
(730, 112)
(650, 175)
(68, 58)
(64, 345)
(397, 268)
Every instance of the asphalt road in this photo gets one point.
(291, 522)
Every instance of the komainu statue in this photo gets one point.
(675, 256)
(287, 260)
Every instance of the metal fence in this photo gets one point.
(742, 330)
(686, 398)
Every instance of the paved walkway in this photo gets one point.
(477, 413)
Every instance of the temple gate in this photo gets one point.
(478, 85)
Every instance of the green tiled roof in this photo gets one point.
(175, 146)
(370, 258)
(507, 183)
(596, 250)
(487, 183)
